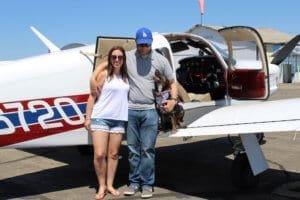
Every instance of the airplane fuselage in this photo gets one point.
(43, 98)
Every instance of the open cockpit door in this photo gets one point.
(103, 45)
(248, 74)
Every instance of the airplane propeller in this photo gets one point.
(282, 53)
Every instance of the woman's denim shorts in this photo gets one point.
(108, 125)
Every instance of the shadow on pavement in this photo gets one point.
(199, 169)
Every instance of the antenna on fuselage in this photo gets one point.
(201, 6)
(51, 46)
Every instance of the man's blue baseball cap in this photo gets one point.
(143, 36)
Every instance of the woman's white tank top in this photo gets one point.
(113, 100)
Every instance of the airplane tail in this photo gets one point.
(282, 53)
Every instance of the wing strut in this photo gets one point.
(255, 155)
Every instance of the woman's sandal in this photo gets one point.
(114, 192)
(100, 196)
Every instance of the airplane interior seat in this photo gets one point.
(200, 97)
(182, 94)
(185, 96)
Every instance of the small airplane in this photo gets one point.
(43, 98)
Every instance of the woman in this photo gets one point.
(106, 115)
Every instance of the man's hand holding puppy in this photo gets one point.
(168, 105)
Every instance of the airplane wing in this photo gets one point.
(266, 116)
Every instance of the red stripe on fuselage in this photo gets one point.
(36, 131)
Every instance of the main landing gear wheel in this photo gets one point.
(241, 173)
(85, 150)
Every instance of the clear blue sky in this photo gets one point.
(68, 21)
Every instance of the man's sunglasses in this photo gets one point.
(119, 57)
(143, 45)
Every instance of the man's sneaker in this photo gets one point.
(147, 192)
(131, 190)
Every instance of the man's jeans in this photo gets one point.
(141, 138)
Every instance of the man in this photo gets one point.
(143, 117)
(142, 127)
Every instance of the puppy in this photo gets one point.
(168, 120)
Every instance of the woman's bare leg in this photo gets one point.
(100, 143)
(114, 143)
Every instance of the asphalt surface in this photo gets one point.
(198, 168)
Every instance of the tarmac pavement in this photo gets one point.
(198, 168)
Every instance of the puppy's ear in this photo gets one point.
(157, 73)
(157, 76)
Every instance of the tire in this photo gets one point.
(85, 150)
(241, 173)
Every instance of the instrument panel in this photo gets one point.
(202, 74)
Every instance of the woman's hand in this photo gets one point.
(87, 124)
(94, 88)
